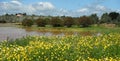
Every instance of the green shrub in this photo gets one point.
(41, 22)
(85, 21)
(27, 22)
(68, 21)
(56, 22)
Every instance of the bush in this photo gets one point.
(27, 22)
(3, 21)
(85, 21)
(56, 22)
(48, 21)
(68, 21)
(41, 22)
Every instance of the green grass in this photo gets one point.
(99, 29)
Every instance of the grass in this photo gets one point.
(9, 25)
(68, 48)
(99, 29)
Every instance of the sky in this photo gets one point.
(73, 8)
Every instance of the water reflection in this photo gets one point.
(14, 32)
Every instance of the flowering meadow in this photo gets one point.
(105, 47)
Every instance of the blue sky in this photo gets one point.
(59, 7)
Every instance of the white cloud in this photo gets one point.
(16, 2)
(3, 5)
(61, 12)
(100, 7)
(90, 9)
(43, 6)
(47, 8)
(28, 9)
(83, 10)
(10, 7)
(118, 10)
(15, 6)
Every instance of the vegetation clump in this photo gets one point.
(27, 22)
(41, 22)
(68, 21)
(85, 21)
(56, 22)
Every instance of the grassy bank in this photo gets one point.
(68, 48)
(9, 25)
(100, 29)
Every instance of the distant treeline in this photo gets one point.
(62, 21)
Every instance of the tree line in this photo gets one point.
(66, 21)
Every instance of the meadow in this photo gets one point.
(42, 31)
(104, 47)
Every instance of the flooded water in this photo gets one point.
(14, 32)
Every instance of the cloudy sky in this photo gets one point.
(59, 7)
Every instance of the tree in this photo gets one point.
(118, 21)
(2, 21)
(56, 22)
(68, 21)
(6, 14)
(85, 21)
(48, 20)
(41, 22)
(94, 18)
(105, 18)
(24, 14)
(27, 22)
(118, 18)
(113, 15)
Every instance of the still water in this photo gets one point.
(7, 33)
(14, 32)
